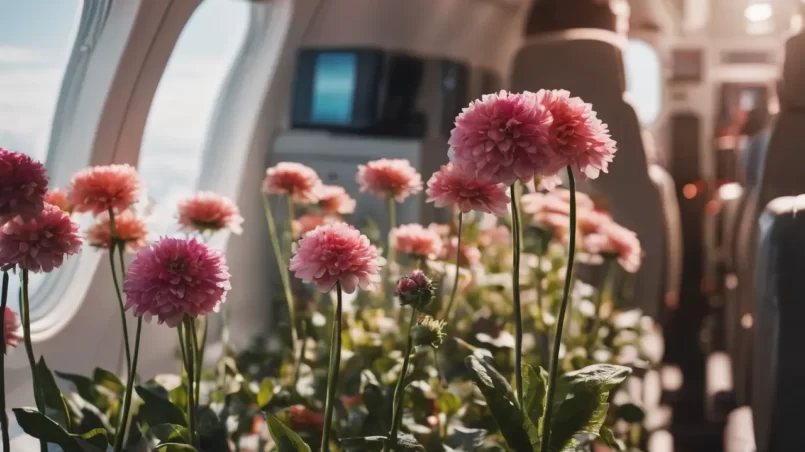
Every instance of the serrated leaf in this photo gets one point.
(608, 438)
(500, 398)
(285, 438)
(171, 433)
(597, 377)
(55, 405)
(535, 391)
(405, 442)
(584, 411)
(157, 410)
(108, 380)
(466, 439)
(448, 403)
(266, 392)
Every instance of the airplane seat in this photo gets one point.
(780, 176)
(589, 64)
(778, 368)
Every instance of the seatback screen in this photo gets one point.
(334, 88)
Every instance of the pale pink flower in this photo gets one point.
(613, 239)
(307, 223)
(389, 177)
(503, 137)
(23, 184)
(335, 200)
(208, 211)
(129, 228)
(497, 236)
(558, 223)
(296, 180)
(176, 278)
(39, 244)
(583, 201)
(11, 327)
(539, 203)
(100, 188)
(60, 199)
(469, 256)
(337, 252)
(416, 240)
(453, 186)
(577, 137)
(442, 229)
(589, 221)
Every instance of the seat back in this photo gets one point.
(672, 250)
(589, 64)
(778, 368)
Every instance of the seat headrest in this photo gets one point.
(793, 83)
(571, 55)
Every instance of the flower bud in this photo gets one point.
(415, 289)
(428, 332)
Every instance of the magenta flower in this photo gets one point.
(416, 240)
(99, 188)
(296, 180)
(503, 137)
(337, 252)
(454, 186)
(11, 326)
(415, 289)
(613, 239)
(577, 137)
(389, 177)
(23, 184)
(39, 244)
(176, 278)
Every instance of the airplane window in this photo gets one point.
(173, 142)
(644, 80)
(36, 39)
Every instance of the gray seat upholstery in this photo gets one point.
(672, 250)
(781, 175)
(589, 64)
(778, 368)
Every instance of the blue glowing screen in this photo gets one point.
(334, 88)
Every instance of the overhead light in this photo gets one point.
(758, 12)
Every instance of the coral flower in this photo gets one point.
(39, 244)
(589, 221)
(503, 137)
(417, 241)
(577, 137)
(337, 252)
(23, 184)
(207, 211)
(469, 256)
(100, 188)
(335, 200)
(452, 185)
(176, 278)
(497, 236)
(129, 228)
(11, 326)
(612, 238)
(60, 199)
(296, 180)
(389, 177)
(539, 203)
(307, 223)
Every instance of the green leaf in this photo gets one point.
(285, 438)
(584, 411)
(535, 391)
(175, 447)
(108, 380)
(448, 403)
(266, 392)
(466, 438)
(157, 410)
(84, 386)
(501, 401)
(608, 437)
(630, 413)
(171, 433)
(97, 438)
(405, 442)
(42, 427)
(55, 406)
(597, 378)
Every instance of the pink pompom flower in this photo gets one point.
(469, 255)
(60, 199)
(577, 137)
(11, 327)
(100, 188)
(503, 137)
(452, 185)
(296, 180)
(389, 177)
(129, 228)
(337, 252)
(615, 240)
(39, 244)
(176, 278)
(307, 223)
(589, 221)
(416, 240)
(335, 200)
(208, 211)
(23, 184)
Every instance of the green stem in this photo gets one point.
(291, 215)
(124, 420)
(448, 312)
(392, 252)
(3, 417)
(192, 352)
(25, 314)
(283, 270)
(518, 315)
(118, 292)
(332, 374)
(560, 322)
(202, 341)
(399, 390)
(302, 351)
(604, 295)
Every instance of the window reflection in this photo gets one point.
(173, 143)
(644, 80)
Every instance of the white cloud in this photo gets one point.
(17, 55)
